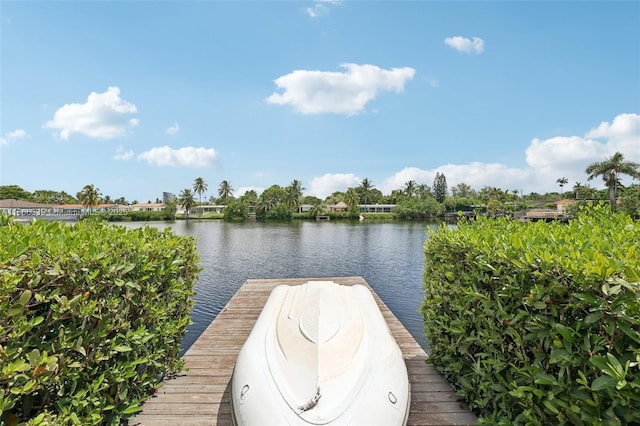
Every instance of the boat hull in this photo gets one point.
(320, 353)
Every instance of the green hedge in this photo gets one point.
(91, 318)
(538, 323)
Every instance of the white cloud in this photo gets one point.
(103, 116)
(568, 156)
(623, 135)
(320, 7)
(476, 174)
(318, 92)
(244, 189)
(13, 135)
(465, 45)
(329, 183)
(182, 157)
(122, 154)
(173, 130)
(547, 161)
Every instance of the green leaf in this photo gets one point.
(122, 348)
(131, 409)
(603, 382)
(25, 297)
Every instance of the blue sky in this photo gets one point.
(141, 97)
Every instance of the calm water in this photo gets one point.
(389, 256)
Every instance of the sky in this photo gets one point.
(143, 97)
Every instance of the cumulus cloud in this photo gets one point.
(244, 189)
(547, 160)
(622, 135)
(122, 154)
(173, 130)
(13, 135)
(104, 116)
(319, 92)
(329, 183)
(465, 45)
(189, 156)
(321, 7)
(476, 173)
(568, 156)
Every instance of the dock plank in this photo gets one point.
(200, 396)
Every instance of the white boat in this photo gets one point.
(320, 353)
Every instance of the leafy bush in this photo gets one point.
(236, 211)
(538, 323)
(418, 208)
(91, 317)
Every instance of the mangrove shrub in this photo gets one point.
(538, 323)
(91, 318)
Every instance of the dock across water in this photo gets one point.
(201, 396)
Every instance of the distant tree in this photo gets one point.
(15, 192)
(236, 211)
(293, 194)
(46, 196)
(270, 199)
(170, 209)
(562, 182)
(424, 191)
(186, 200)
(199, 187)
(610, 169)
(107, 200)
(89, 197)
(576, 189)
(462, 190)
(225, 192)
(631, 201)
(311, 199)
(250, 198)
(440, 187)
(352, 198)
(318, 209)
(336, 197)
(410, 188)
(366, 186)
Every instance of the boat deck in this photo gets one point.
(201, 397)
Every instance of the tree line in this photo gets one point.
(413, 200)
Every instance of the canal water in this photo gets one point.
(389, 256)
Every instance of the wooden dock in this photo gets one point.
(201, 396)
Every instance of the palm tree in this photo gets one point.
(294, 194)
(610, 169)
(410, 188)
(89, 196)
(562, 182)
(186, 200)
(351, 198)
(576, 189)
(366, 186)
(225, 191)
(200, 187)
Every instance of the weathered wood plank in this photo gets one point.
(200, 396)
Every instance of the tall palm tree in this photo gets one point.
(410, 188)
(366, 186)
(562, 182)
(89, 196)
(199, 187)
(225, 191)
(293, 194)
(351, 198)
(186, 200)
(576, 189)
(610, 169)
